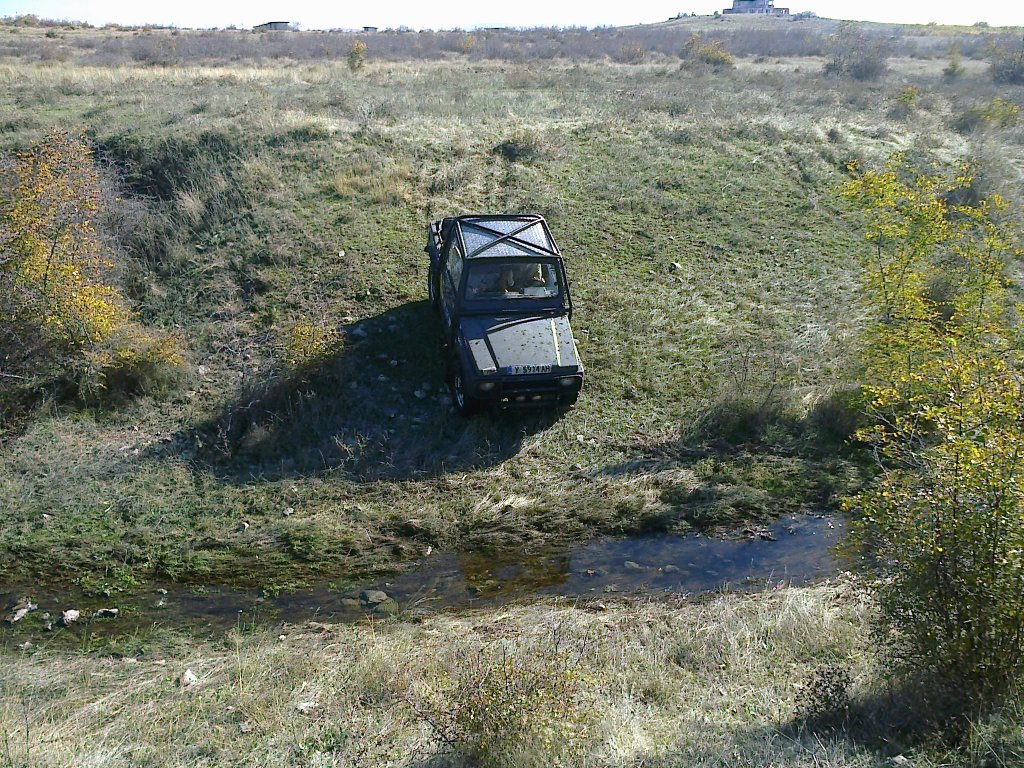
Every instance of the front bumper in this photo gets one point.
(526, 391)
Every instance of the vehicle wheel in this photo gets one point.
(432, 290)
(465, 403)
(568, 401)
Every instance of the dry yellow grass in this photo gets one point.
(684, 684)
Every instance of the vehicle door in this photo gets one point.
(451, 280)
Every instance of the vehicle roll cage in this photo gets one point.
(479, 223)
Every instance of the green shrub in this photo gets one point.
(905, 103)
(824, 700)
(306, 341)
(954, 70)
(944, 523)
(513, 705)
(998, 113)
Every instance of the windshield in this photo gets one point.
(519, 279)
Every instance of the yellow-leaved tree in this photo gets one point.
(64, 316)
(944, 523)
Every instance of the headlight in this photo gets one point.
(568, 381)
(486, 386)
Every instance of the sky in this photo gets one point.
(467, 14)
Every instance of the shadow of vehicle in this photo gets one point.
(378, 409)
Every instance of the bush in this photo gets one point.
(66, 318)
(509, 705)
(1006, 59)
(944, 524)
(306, 342)
(130, 362)
(954, 70)
(356, 56)
(712, 55)
(998, 113)
(631, 53)
(905, 103)
(824, 700)
(851, 53)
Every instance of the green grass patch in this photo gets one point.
(712, 272)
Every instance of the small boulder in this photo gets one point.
(21, 609)
(188, 678)
(629, 565)
(69, 616)
(305, 707)
(670, 569)
(106, 613)
(373, 596)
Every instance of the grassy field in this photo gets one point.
(713, 274)
(257, 192)
(782, 678)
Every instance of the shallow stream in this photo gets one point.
(797, 549)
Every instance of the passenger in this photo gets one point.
(534, 276)
(486, 280)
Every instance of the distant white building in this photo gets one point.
(273, 26)
(762, 7)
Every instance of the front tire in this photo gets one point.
(465, 403)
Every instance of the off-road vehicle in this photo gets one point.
(499, 284)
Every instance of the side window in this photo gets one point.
(455, 263)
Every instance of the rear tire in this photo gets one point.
(569, 400)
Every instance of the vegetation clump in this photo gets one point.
(510, 705)
(1006, 58)
(955, 68)
(356, 55)
(853, 53)
(998, 113)
(944, 523)
(65, 316)
(706, 54)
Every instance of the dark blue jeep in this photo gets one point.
(499, 285)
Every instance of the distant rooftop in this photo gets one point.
(762, 7)
(272, 25)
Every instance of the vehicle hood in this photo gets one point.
(497, 343)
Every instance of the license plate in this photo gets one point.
(522, 370)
